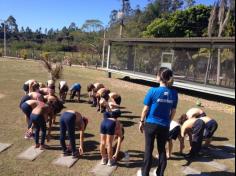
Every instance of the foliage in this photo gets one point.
(23, 54)
(55, 70)
(191, 22)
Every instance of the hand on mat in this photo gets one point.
(115, 156)
(81, 150)
(30, 131)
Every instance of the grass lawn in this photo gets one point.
(12, 125)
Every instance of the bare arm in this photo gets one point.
(144, 113)
(143, 116)
(181, 142)
(81, 147)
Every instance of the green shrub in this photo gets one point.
(23, 54)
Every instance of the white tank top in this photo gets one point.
(173, 124)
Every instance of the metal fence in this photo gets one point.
(191, 62)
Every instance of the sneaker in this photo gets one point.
(66, 153)
(111, 162)
(104, 161)
(75, 155)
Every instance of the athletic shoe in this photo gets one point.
(111, 162)
(75, 155)
(104, 161)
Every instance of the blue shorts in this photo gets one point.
(174, 133)
(26, 109)
(210, 129)
(24, 99)
(108, 127)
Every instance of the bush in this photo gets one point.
(23, 54)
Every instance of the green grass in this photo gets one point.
(12, 125)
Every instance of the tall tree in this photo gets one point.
(11, 21)
(176, 5)
(190, 3)
(92, 25)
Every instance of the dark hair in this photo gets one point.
(35, 87)
(166, 76)
(182, 119)
(105, 94)
(90, 87)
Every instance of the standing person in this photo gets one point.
(159, 109)
(70, 120)
(75, 90)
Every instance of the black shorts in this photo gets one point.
(174, 133)
(118, 100)
(24, 99)
(201, 115)
(26, 88)
(210, 129)
(64, 89)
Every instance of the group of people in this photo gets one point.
(41, 105)
(157, 122)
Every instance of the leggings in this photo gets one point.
(67, 123)
(39, 124)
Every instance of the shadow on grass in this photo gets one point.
(130, 116)
(136, 160)
(214, 138)
(77, 136)
(217, 173)
(75, 101)
(210, 154)
(126, 123)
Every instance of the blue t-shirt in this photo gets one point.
(76, 87)
(160, 101)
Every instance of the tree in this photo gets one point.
(72, 27)
(11, 21)
(92, 25)
(176, 5)
(190, 3)
(191, 22)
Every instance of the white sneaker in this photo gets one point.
(139, 173)
(103, 161)
(111, 162)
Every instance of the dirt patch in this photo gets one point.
(1, 96)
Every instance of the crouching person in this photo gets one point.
(70, 121)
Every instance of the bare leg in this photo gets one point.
(109, 146)
(170, 147)
(103, 146)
